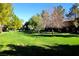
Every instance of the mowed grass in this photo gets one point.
(24, 39)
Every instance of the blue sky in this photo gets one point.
(26, 10)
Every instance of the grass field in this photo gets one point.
(18, 43)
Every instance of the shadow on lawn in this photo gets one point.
(51, 35)
(60, 50)
(60, 35)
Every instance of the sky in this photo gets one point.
(26, 10)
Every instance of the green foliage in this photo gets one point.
(15, 23)
(76, 23)
(5, 14)
(61, 10)
(75, 9)
(8, 18)
(34, 22)
(74, 12)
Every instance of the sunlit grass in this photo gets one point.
(23, 39)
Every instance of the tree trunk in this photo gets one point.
(52, 31)
(0, 28)
(59, 30)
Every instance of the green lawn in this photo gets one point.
(41, 40)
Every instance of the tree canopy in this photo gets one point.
(7, 16)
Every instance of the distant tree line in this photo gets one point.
(56, 21)
(8, 20)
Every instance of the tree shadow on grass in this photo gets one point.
(60, 35)
(60, 50)
(50, 35)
